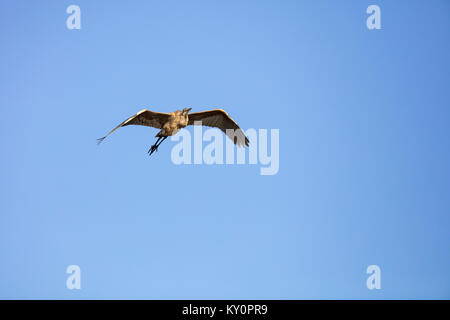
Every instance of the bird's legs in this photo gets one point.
(154, 147)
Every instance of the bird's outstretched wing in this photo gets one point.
(143, 118)
(220, 119)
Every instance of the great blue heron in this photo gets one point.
(171, 123)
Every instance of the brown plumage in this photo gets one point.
(171, 123)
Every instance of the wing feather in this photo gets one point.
(143, 118)
(220, 119)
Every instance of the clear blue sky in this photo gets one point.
(364, 150)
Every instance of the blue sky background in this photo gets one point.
(364, 150)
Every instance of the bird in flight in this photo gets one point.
(171, 123)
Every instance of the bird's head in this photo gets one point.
(186, 110)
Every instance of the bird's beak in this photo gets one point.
(188, 109)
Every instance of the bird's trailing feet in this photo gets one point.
(154, 147)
